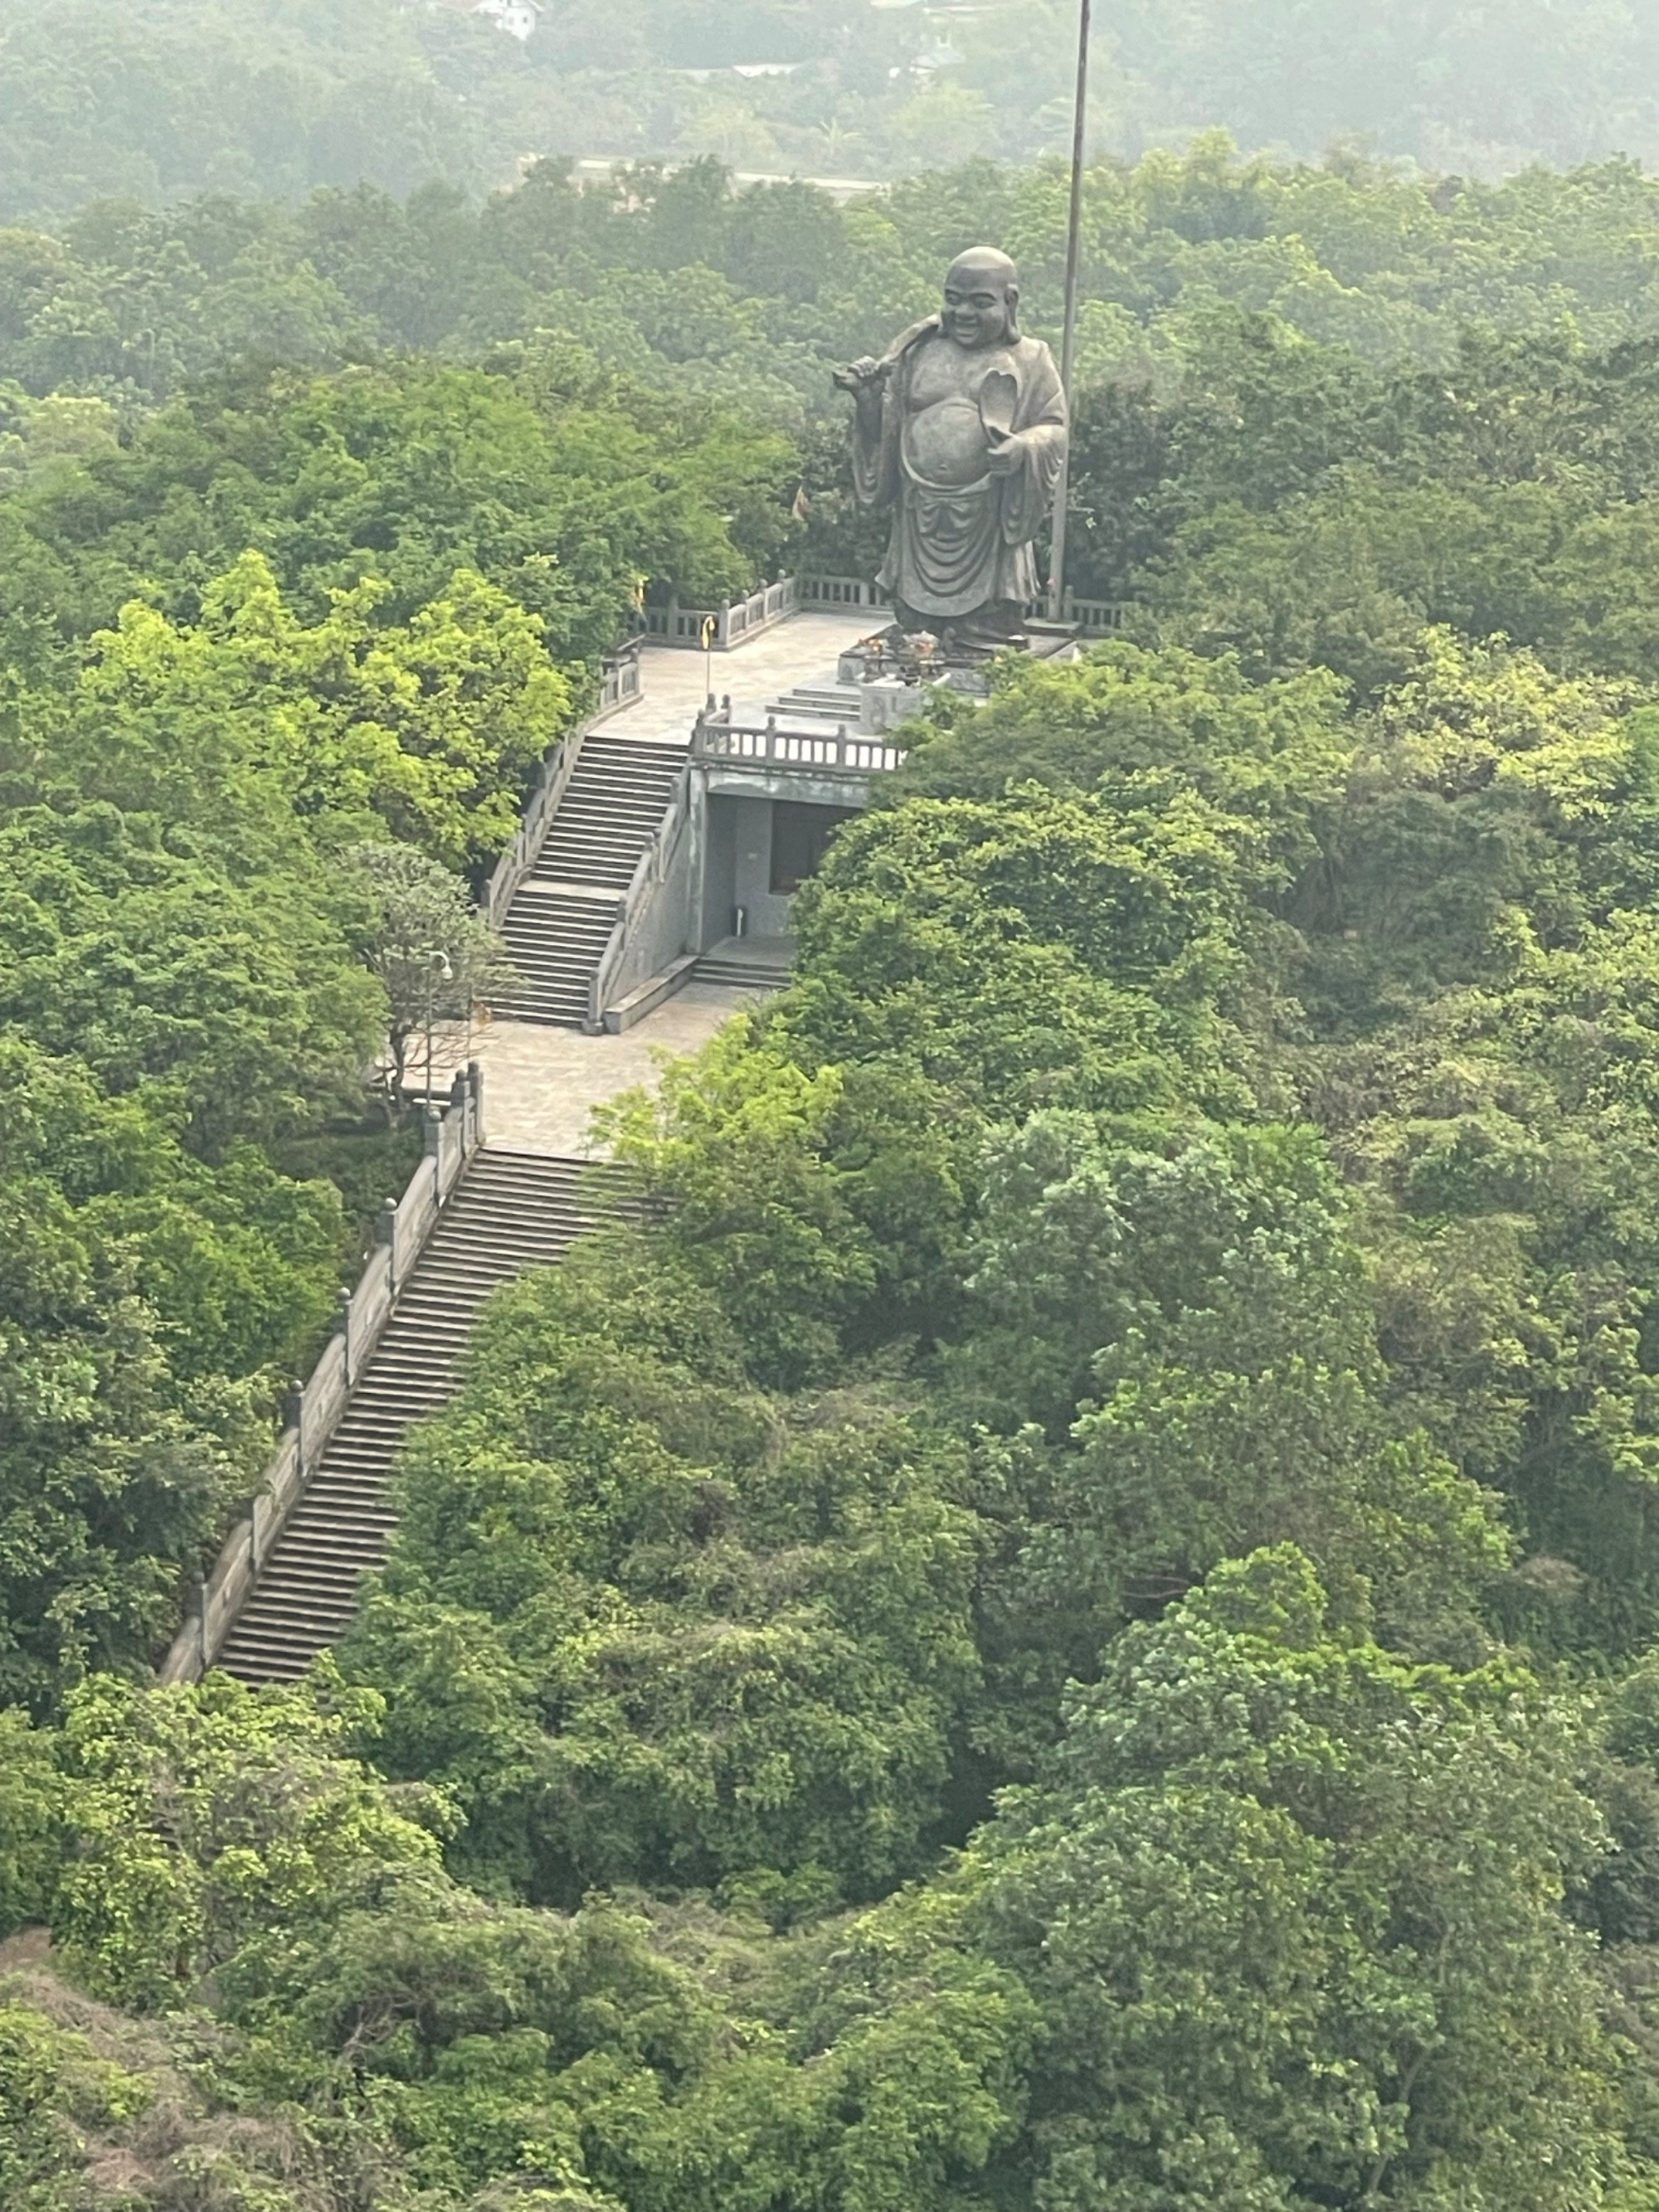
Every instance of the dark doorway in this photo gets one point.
(801, 838)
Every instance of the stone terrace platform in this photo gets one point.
(542, 1084)
(794, 652)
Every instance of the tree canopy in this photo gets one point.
(1059, 1615)
(272, 97)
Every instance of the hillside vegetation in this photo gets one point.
(155, 99)
(674, 278)
(1067, 1622)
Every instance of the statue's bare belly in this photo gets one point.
(945, 444)
(944, 440)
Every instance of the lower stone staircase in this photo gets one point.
(510, 1210)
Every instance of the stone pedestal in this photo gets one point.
(894, 674)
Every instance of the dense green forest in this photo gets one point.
(154, 99)
(675, 281)
(1069, 1621)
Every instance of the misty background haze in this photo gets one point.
(153, 99)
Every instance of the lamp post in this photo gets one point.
(710, 630)
(438, 969)
(1068, 341)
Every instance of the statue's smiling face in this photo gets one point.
(981, 292)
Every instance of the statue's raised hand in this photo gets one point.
(863, 378)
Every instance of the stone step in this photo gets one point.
(824, 702)
(607, 816)
(744, 975)
(510, 1210)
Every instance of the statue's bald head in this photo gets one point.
(981, 298)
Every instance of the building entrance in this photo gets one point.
(760, 852)
(801, 838)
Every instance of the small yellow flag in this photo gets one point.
(710, 631)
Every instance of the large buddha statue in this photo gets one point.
(960, 429)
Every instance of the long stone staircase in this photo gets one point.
(564, 912)
(510, 1210)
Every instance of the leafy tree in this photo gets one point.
(822, 1206)
(54, 2087)
(210, 1825)
(431, 726)
(711, 1637)
(1047, 948)
(1289, 1909)
(410, 473)
(146, 1299)
(145, 961)
(1139, 727)
(436, 959)
(29, 1842)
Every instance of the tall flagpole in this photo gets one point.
(1068, 343)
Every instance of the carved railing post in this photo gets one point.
(432, 1144)
(386, 1232)
(341, 1326)
(293, 1414)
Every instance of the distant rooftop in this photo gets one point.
(518, 17)
(598, 166)
(743, 69)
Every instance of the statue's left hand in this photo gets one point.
(1003, 457)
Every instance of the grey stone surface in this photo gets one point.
(960, 430)
(541, 1083)
(675, 684)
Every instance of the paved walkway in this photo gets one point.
(541, 1084)
(797, 651)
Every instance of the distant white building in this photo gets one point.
(518, 17)
(741, 68)
(521, 17)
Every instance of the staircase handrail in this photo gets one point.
(622, 680)
(519, 857)
(1094, 617)
(734, 620)
(840, 592)
(649, 870)
(313, 1412)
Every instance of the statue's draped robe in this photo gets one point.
(956, 547)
